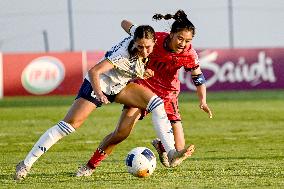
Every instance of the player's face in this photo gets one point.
(144, 47)
(180, 40)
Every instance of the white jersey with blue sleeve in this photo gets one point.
(126, 67)
(132, 29)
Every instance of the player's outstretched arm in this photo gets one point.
(201, 93)
(199, 81)
(127, 25)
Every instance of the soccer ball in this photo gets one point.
(141, 162)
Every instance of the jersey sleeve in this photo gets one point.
(119, 53)
(132, 29)
(192, 62)
(120, 58)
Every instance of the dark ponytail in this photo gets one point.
(181, 21)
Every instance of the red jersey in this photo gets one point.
(165, 65)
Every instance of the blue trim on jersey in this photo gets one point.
(116, 47)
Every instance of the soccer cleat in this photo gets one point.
(21, 171)
(162, 153)
(84, 171)
(177, 157)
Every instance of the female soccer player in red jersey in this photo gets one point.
(171, 52)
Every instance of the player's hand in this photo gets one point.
(205, 108)
(148, 73)
(102, 98)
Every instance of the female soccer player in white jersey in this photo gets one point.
(105, 83)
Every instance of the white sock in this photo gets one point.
(50, 137)
(161, 123)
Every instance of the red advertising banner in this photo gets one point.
(239, 69)
(42, 74)
(63, 73)
(94, 57)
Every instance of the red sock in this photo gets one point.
(96, 159)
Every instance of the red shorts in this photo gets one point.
(171, 108)
(170, 101)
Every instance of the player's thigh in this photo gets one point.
(78, 112)
(135, 95)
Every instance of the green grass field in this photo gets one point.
(241, 147)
